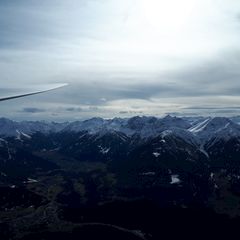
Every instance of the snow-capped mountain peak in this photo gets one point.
(218, 127)
(198, 132)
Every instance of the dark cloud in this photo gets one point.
(33, 110)
(130, 112)
(74, 109)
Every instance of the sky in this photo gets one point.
(120, 58)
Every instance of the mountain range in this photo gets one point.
(197, 131)
(198, 127)
(63, 171)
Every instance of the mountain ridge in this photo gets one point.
(199, 132)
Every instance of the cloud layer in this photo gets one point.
(118, 61)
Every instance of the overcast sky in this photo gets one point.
(120, 58)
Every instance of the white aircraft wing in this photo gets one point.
(29, 93)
